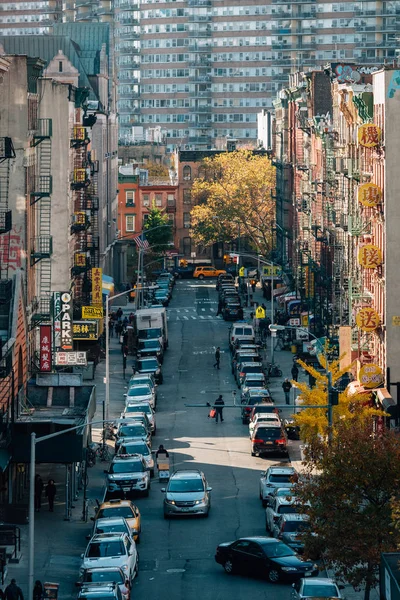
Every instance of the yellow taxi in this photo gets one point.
(121, 508)
(201, 272)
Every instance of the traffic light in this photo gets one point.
(226, 258)
(183, 263)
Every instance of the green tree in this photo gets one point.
(235, 191)
(158, 230)
(347, 490)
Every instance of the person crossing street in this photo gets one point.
(219, 405)
(217, 357)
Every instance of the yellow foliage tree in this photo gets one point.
(236, 190)
(313, 422)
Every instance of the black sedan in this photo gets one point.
(263, 557)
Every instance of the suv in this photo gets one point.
(187, 493)
(244, 368)
(141, 407)
(128, 473)
(140, 393)
(100, 591)
(140, 448)
(201, 272)
(276, 477)
(289, 529)
(129, 430)
(151, 347)
(224, 278)
(112, 550)
(267, 438)
(149, 365)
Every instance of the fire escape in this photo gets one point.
(40, 197)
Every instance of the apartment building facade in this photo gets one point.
(339, 153)
(29, 18)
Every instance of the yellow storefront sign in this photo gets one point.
(367, 319)
(370, 376)
(369, 256)
(369, 194)
(97, 286)
(269, 270)
(92, 312)
(369, 135)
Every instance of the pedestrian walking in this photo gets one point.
(110, 327)
(240, 314)
(131, 318)
(219, 405)
(219, 311)
(295, 372)
(51, 492)
(253, 285)
(287, 386)
(38, 590)
(217, 358)
(13, 591)
(39, 485)
(119, 313)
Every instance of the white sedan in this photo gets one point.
(112, 550)
(263, 418)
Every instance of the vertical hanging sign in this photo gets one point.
(45, 349)
(66, 321)
(97, 287)
(56, 317)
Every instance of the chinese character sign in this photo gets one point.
(370, 256)
(369, 135)
(66, 321)
(45, 349)
(85, 330)
(69, 359)
(367, 319)
(97, 286)
(80, 259)
(369, 194)
(56, 315)
(371, 376)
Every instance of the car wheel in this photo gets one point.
(228, 566)
(273, 575)
(201, 276)
(253, 453)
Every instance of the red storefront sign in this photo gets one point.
(45, 349)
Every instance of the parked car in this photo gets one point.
(276, 477)
(253, 397)
(115, 525)
(121, 508)
(131, 431)
(264, 418)
(267, 438)
(263, 408)
(138, 417)
(254, 381)
(140, 448)
(230, 311)
(187, 493)
(141, 407)
(100, 591)
(263, 556)
(167, 275)
(112, 550)
(224, 278)
(148, 348)
(241, 332)
(244, 356)
(128, 473)
(184, 272)
(140, 393)
(106, 577)
(161, 297)
(281, 506)
(278, 493)
(318, 587)
(149, 365)
(289, 529)
(144, 379)
(202, 272)
(244, 368)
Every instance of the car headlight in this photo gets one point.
(201, 501)
(158, 371)
(125, 567)
(289, 569)
(170, 501)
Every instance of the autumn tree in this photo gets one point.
(158, 230)
(157, 169)
(348, 490)
(235, 191)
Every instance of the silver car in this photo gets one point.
(141, 407)
(140, 448)
(187, 494)
(275, 477)
(317, 587)
(140, 393)
(289, 529)
(131, 431)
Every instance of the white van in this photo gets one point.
(241, 331)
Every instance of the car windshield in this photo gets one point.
(104, 576)
(149, 344)
(129, 466)
(284, 492)
(148, 364)
(136, 449)
(186, 485)
(287, 509)
(247, 331)
(256, 399)
(115, 528)
(297, 526)
(250, 369)
(320, 590)
(269, 433)
(144, 408)
(284, 478)
(131, 431)
(115, 511)
(252, 383)
(139, 391)
(105, 549)
(277, 550)
(146, 334)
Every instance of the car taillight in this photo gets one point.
(242, 374)
(257, 441)
(248, 410)
(282, 441)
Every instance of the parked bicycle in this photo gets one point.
(273, 370)
(103, 452)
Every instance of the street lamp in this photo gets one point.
(273, 329)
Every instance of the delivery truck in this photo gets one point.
(151, 323)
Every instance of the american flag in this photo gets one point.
(141, 242)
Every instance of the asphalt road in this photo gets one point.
(177, 556)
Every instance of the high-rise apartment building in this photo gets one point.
(29, 18)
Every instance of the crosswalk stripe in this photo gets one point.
(187, 318)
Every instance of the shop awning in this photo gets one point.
(387, 402)
(107, 285)
(5, 458)
(279, 291)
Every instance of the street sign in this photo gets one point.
(294, 322)
(260, 313)
(66, 321)
(68, 359)
(92, 312)
(85, 330)
(302, 335)
(241, 271)
(267, 271)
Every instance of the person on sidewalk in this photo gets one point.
(38, 590)
(13, 591)
(240, 314)
(219, 405)
(287, 386)
(295, 372)
(217, 358)
(51, 492)
(39, 485)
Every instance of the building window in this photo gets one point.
(145, 218)
(187, 173)
(158, 198)
(186, 246)
(186, 220)
(130, 222)
(171, 200)
(171, 219)
(130, 198)
(60, 66)
(146, 199)
(187, 196)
